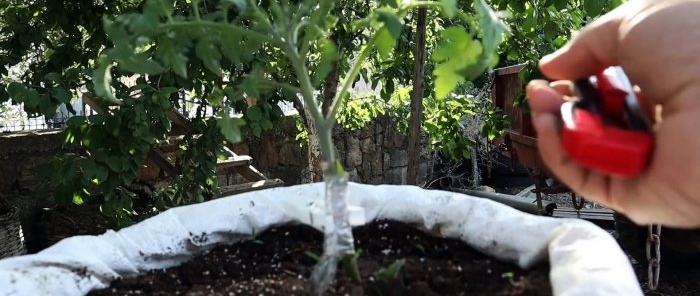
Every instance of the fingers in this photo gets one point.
(545, 102)
(593, 49)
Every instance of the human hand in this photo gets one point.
(658, 45)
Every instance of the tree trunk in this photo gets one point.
(330, 88)
(414, 126)
(314, 151)
(314, 145)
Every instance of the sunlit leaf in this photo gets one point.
(385, 43)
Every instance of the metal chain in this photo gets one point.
(654, 255)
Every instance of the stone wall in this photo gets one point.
(375, 154)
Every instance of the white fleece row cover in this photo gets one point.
(584, 259)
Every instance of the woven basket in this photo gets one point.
(11, 237)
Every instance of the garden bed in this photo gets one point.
(279, 260)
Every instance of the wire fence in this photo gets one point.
(14, 119)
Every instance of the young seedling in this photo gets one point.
(295, 34)
(384, 277)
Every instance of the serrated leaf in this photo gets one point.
(449, 7)
(209, 54)
(493, 31)
(391, 22)
(172, 57)
(230, 128)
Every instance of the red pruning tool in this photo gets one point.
(606, 129)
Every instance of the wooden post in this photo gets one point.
(414, 127)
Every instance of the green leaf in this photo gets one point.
(560, 4)
(141, 64)
(209, 54)
(254, 113)
(390, 273)
(102, 78)
(172, 56)
(61, 94)
(231, 46)
(449, 7)
(391, 22)
(593, 8)
(230, 128)
(77, 198)
(216, 97)
(385, 43)
(458, 56)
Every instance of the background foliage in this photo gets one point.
(140, 58)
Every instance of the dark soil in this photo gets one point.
(278, 262)
(56, 224)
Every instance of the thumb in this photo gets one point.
(592, 50)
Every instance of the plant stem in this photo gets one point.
(282, 85)
(323, 126)
(352, 268)
(195, 7)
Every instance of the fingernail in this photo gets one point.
(536, 84)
